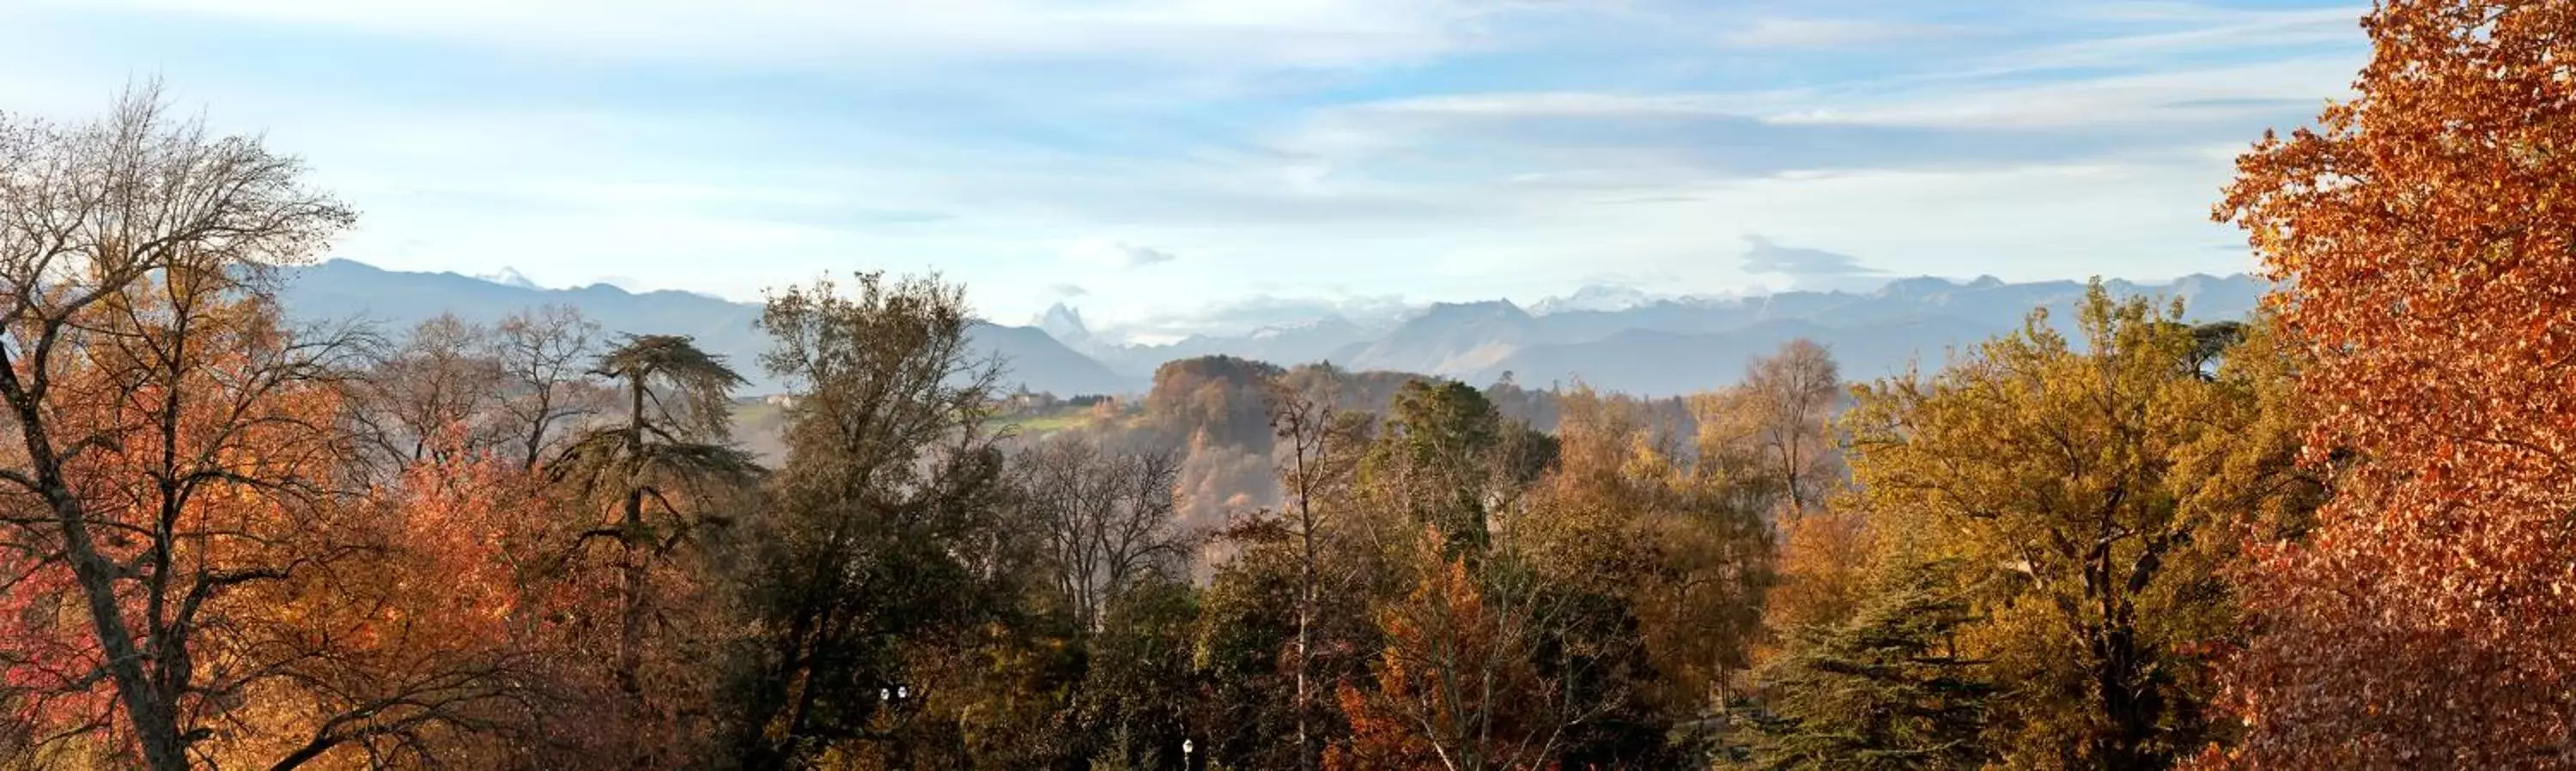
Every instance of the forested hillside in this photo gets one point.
(2328, 533)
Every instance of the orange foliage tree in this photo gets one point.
(196, 576)
(1458, 686)
(2428, 259)
(431, 649)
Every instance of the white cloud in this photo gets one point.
(2090, 153)
(1253, 33)
(2236, 94)
(1116, 254)
(2171, 30)
(1245, 314)
(1786, 32)
(1762, 255)
(1576, 104)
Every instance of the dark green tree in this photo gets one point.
(885, 541)
(1882, 691)
(1447, 459)
(663, 468)
(1247, 620)
(1139, 684)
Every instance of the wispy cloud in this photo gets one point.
(1788, 32)
(2226, 96)
(1239, 33)
(1245, 314)
(1761, 255)
(1231, 160)
(1117, 254)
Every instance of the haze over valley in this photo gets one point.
(1625, 342)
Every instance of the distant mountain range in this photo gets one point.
(343, 289)
(1609, 337)
(1620, 339)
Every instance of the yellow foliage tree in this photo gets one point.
(2094, 483)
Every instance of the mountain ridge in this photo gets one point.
(348, 290)
(1658, 346)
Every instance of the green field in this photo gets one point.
(1046, 423)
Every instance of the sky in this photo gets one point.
(1178, 166)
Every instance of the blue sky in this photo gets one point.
(1170, 166)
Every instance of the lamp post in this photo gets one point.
(1185, 754)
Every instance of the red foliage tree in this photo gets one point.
(1458, 685)
(2423, 238)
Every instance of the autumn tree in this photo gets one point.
(1824, 566)
(173, 475)
(1628, 514)
(1777, 424)
(1446, 459)
(1770, 442)
(2096, 484)
(1466, 679)
(1319, 463)
(884, 540)
(421, 653)
(2420, 237)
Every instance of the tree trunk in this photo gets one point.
(630, 639)
(147, 708)
(156, 726)
(1305, 656)
(2129, 706)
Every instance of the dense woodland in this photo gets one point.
(2334, 535)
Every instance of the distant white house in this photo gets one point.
(1025, 400)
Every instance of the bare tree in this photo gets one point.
(1108, 519)
(433, 396)
(545, 355)
(1318, 464)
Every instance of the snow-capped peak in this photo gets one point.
(1063, 323)
(510, 277)
(1595, 297)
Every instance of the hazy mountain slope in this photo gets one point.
(346, 290)
(1040, 363)
(1317, 340)
(1450, 339)
(1668, 363)
(1627, 341)
(1676, 346)
(1622, 343)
